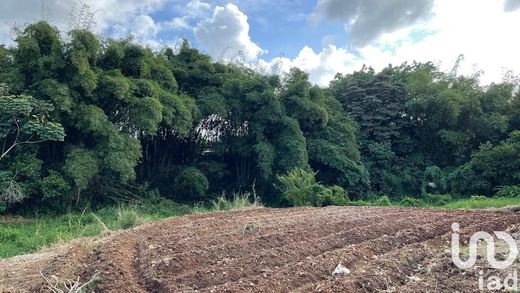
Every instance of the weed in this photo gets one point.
(56, 285)
(508, 191)
(483, 202)
(127, 218)
(250, 227)
(19, 237)
(238, 201)
(411, 202)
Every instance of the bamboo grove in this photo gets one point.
(91, 121)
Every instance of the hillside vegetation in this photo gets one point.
(89, 122)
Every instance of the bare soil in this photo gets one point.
(271, 250)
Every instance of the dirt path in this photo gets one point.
(270, 250)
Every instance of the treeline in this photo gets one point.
(86, 121)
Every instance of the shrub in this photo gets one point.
(336, 196)
(433, 180)
(437, 199)
(464, 180)
(127, 218)
(238, 201)
(10, 192)
(299, 188)
(411, 202)
(383, 201)
(508, 191)
(191, 185)
(54, 186)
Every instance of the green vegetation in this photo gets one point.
(89, 123)
(27, 235)
(32, 234)
(482, 202)
(299, 188)
(474, 202)
(238, 201)
(508, 191)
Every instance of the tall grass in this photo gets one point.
(480, 202)
(33, 234)
(29, 235)
(443, 201)
(237, 201)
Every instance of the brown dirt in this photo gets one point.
(270, 250)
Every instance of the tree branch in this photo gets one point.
(15, 142)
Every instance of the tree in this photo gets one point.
(24, 121)
(377, 102)
(24, 126)
(500, 164)
(330, 134)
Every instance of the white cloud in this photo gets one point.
(144, 26)
(109, 12)
(481, 30)
(197, 5)
(365, 20)
(191, 11)
(321, 66)
(177, 23)
(226, 34)
(21, 12)
(109, 15)
(511, 5)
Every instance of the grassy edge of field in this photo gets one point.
(30, 235)
(26, 235)
(484, 203)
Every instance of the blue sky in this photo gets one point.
(322, 37)
(282, 27)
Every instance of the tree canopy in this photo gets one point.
(89, 121)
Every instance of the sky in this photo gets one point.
(321, 37)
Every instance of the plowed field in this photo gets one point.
(271, 250)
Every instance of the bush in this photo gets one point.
(299, 188)
(437, 199)
(160, 207)
(411, 202)
(508, 191)
(191, 185)
(238, 201)
(127, 218)
(10, 192)
(383, 201)
(433, 180)
(337, 196)
(54, 186)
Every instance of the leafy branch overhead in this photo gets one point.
(24, 120)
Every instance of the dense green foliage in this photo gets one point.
(423, 131)
(508, 191)
(299, 188)
(93, 122)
